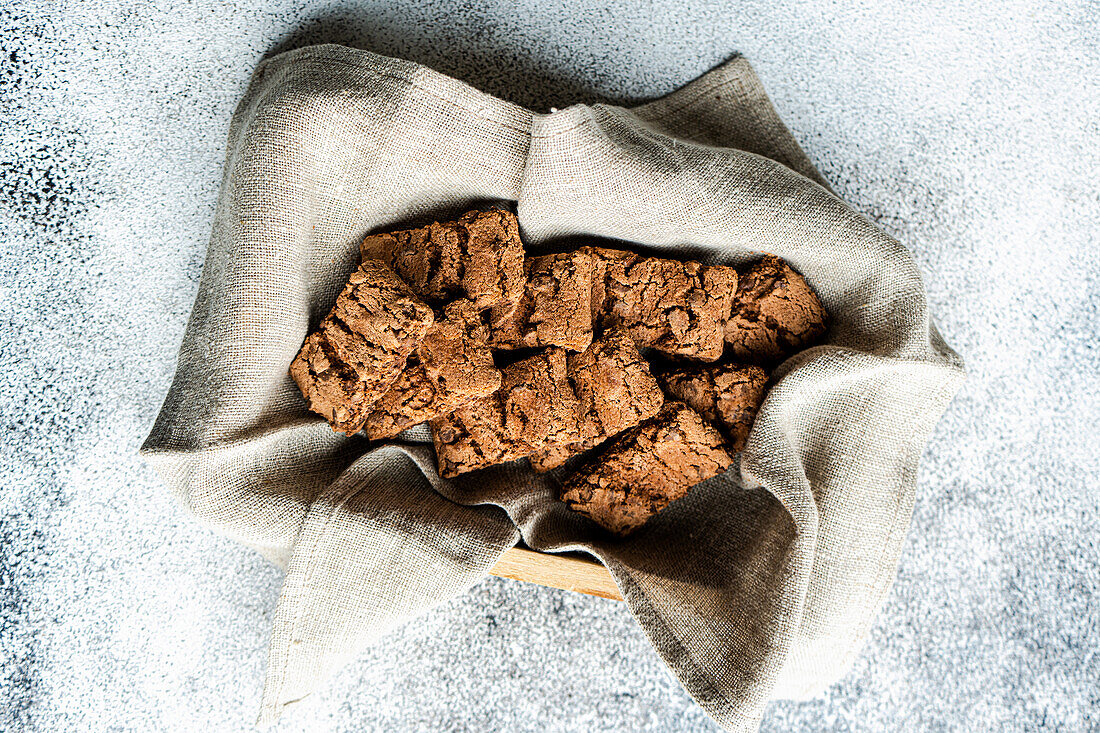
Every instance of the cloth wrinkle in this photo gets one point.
(799, 578)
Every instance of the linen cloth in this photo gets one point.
(763, 582)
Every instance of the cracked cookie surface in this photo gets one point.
(330, 385)
(555, 309)
(727, 395)
(677, 308)
(361, 346)
(647, 468)
(533, 408)
(451, 367)
(477, 256)
(615, 391)
(775, 313)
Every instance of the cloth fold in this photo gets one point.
(763, 582)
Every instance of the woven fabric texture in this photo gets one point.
(763, 582)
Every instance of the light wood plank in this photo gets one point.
(568, 572)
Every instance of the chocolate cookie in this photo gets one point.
(677, 308)
(775, 313)
(647, 468)
(478, 256)
(727, 395)
(555, 309)
(615, 390)
(360, 348)
(534, 407)
(452, 366)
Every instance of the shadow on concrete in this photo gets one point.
(463, 49)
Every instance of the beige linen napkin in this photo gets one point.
(762, 583)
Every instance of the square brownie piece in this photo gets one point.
(478, 256)
(616, 391)
(534, 407)
(647, 468)
(453, 366)
(366, 338)
(677, 308)
(775, 313)
(727, 395)
(539, 405)
(555, 309)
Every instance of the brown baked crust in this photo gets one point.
(533, 408)
(646, 468)
(366, 338)
(727, 395)
(775, 313)
(494, 257)
(478, 256)
(453, 366)
(539, 405)
(410, 400)
(330, 385)
(555, 309)
(553, 456)
(615, 390)
(677, 308)
(456, 357)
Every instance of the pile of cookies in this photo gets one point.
(602, 354)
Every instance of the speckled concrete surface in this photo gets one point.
(969, 134)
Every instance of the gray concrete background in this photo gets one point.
(969, 131)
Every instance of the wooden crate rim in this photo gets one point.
(573, 571)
